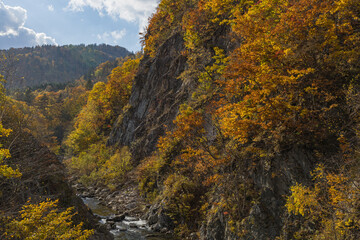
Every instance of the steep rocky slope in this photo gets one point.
(156, 96)
(267, 110)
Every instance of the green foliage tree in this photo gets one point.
(101, 165)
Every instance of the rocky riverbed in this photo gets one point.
(127, 200)
(124, 227)
(125, 214)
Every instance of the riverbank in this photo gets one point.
(126, 200)
(124, 212)
(124, 227)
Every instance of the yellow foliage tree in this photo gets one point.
(118, 87)
(5, 170)
(104, 104)
(44, 221)
(332, 205)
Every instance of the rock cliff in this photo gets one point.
(155, 99)
(156, 96)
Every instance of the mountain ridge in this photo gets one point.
(34, 66)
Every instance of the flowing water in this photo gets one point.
(128, 229)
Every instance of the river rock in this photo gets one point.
(133, 225)
(194, 236)
(152, 235)
(117, 218)
(131, 219)
(156, 227)
(153, 219)
(165, 220)
(97, 191)
(103, 193)
(158, 218)
(121, 228)
(110, 225)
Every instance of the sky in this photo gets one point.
(26, 23)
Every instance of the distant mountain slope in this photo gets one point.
(53, 64)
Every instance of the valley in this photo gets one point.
(236, 120)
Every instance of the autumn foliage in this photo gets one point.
(45, 221)
(269, 75)
(265, 77)
(105, 103)
(89, 158)
(5, 170)
(36, 221)
(331, 204)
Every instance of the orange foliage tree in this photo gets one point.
(288, 74)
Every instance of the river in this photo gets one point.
(129, 229)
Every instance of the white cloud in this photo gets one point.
(51, 8)
(112, 37)
(11, 18)
(13, 33)
(130, 10)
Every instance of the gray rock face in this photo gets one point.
(215, 227)
(154, 102)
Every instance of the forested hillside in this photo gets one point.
(239, 120)
(36, 201)
(35, 66)
(263, 142)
